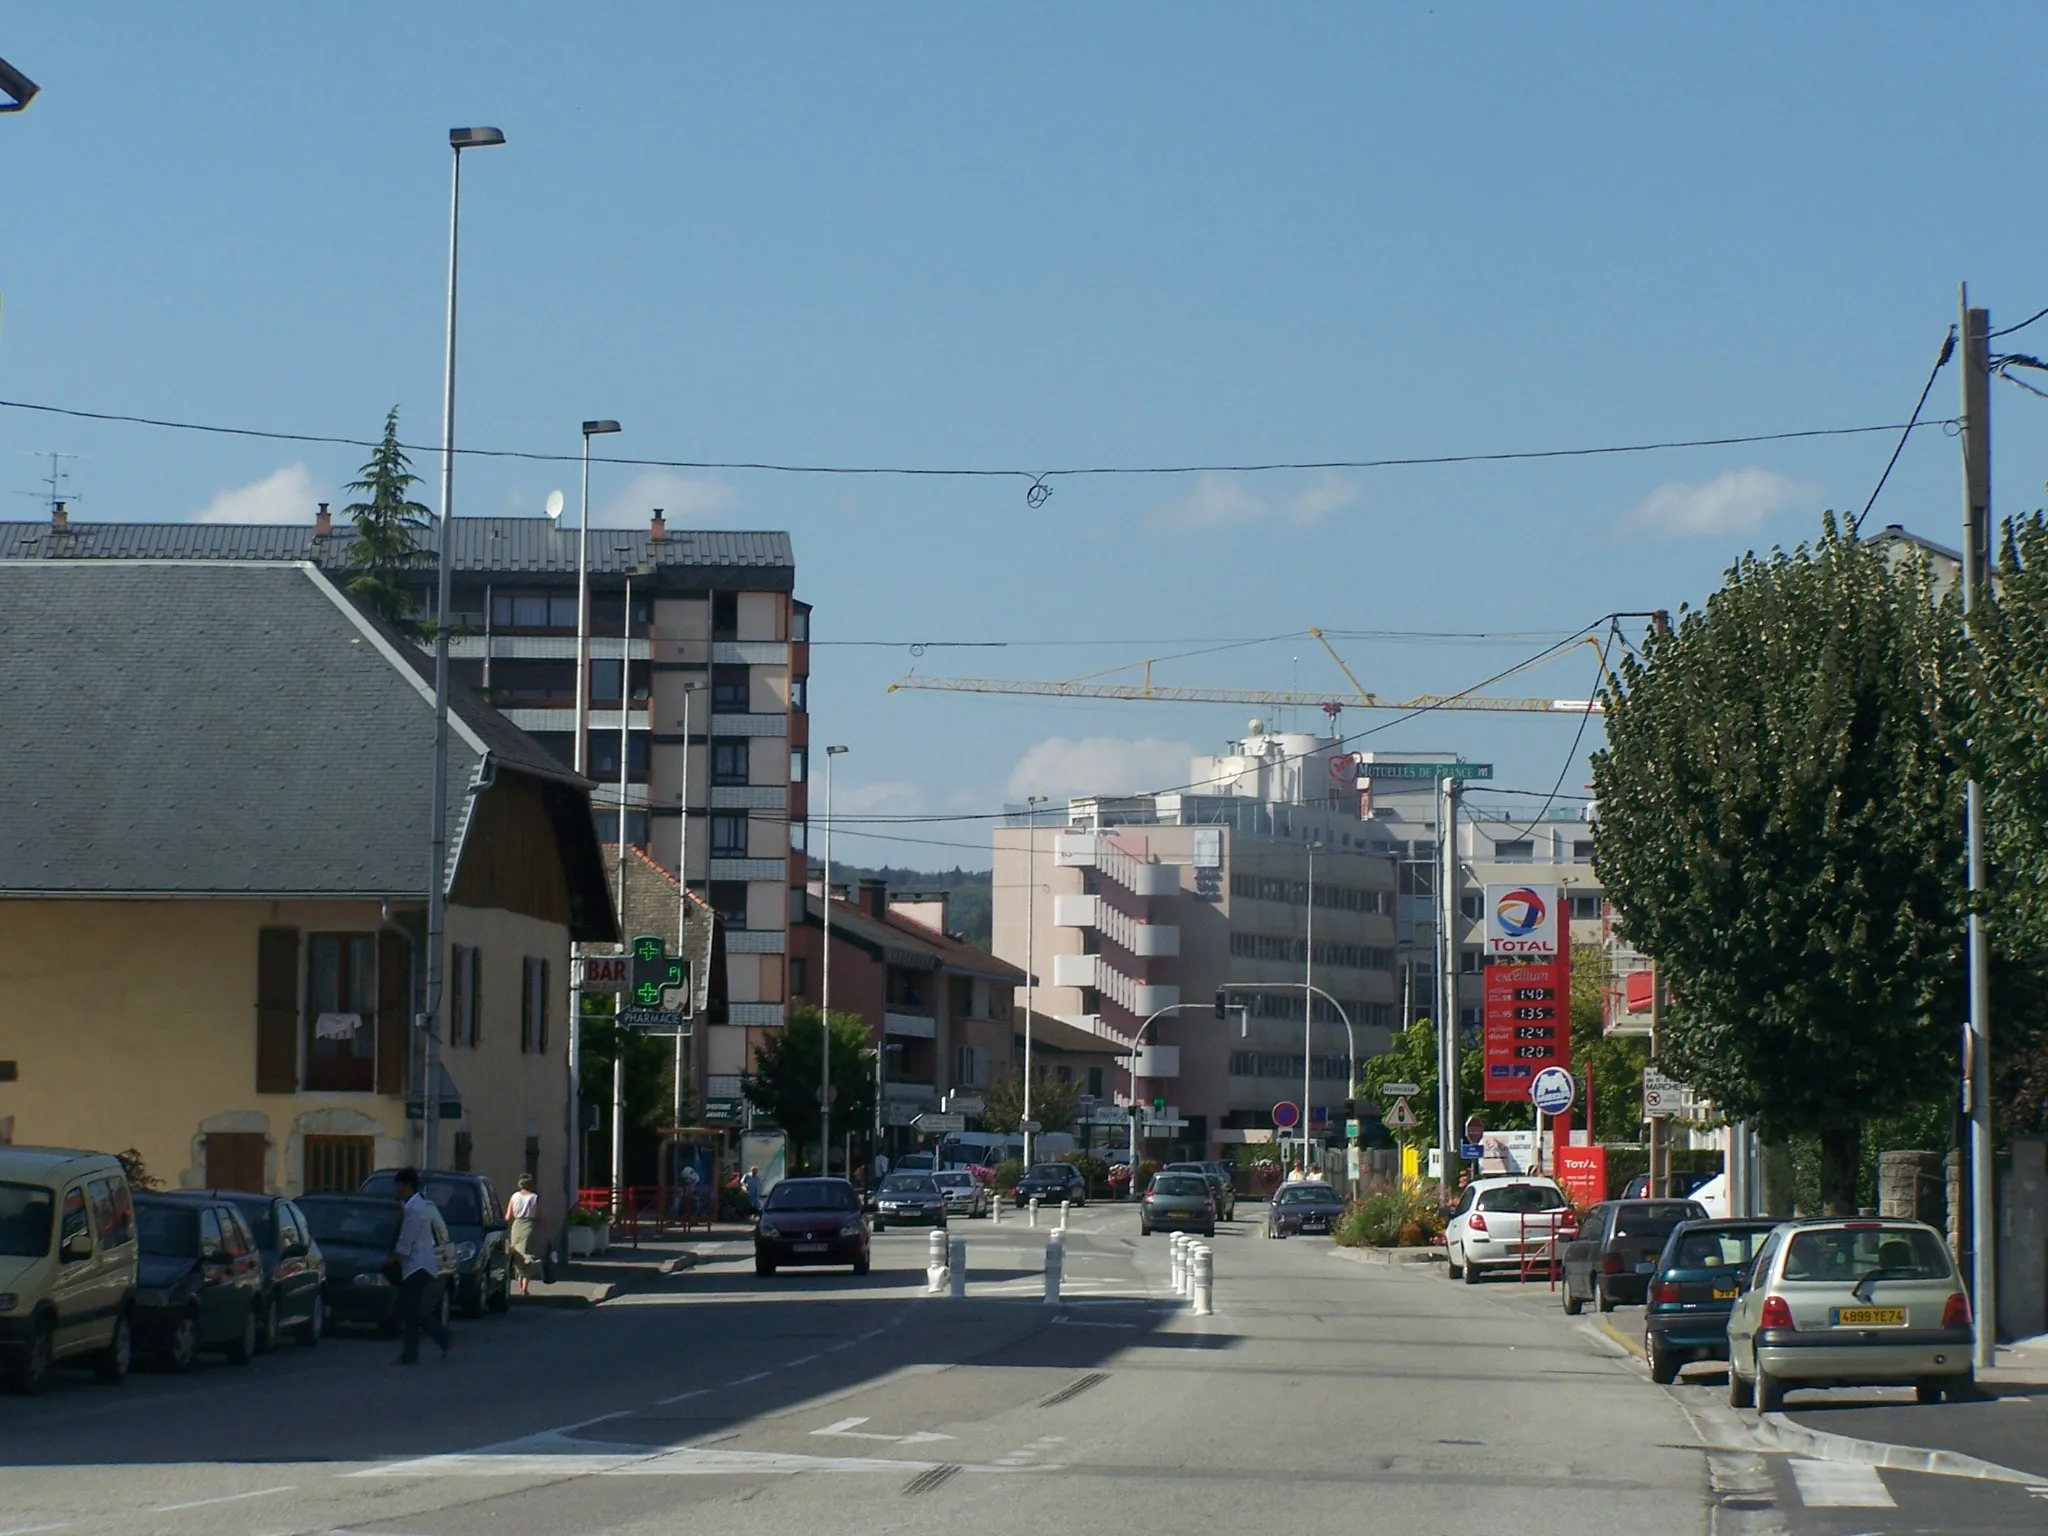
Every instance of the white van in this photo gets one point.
(67, 1264)
(988, 1148)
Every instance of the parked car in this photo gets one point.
(1181, 1202)
(1219, 1185)
(1680, 1184)
(1614, 1253)
(1503, 1222)
(199, 1279)
(1305, 1206)
(1850, 1302)
(917, 1162)
(907, 1198)
(811, 1221)
(67, 1264)
(357, 1235)
(294, 1271)
(1697, 1278)
(1052, 1183)
(965, 1194)
(469, 1207)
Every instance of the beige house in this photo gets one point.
(212, 886)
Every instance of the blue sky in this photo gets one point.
(1044, 237)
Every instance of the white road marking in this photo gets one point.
(790, 1365)
(741, 1381)
(681, 1397)
(29, 1530)
(687, 1461)
(1840, 1485)
(849, 1344)
(225, 1498)
(845, 1429)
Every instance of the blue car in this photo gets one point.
(1691, 1291)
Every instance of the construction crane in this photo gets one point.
(1330, 704)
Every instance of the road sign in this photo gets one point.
(1400, 1116)
(1399, 1090)
(1475, 1127)
(1552, 1091)
(1031, 1127)
(655, 973)
(1108, 1114)
(604, 973)
(1351, 1130)
(1471, 1151)
(1159, 1103)
(936, 1124)
(1286, 1114)
(1430, 771)
(1662, 1095)
(660, 1019)
(723, 1111)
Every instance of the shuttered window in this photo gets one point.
(277, 1010)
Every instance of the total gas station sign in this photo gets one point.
(1522, 920)
(1528, 1013)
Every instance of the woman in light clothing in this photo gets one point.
(524, 1210)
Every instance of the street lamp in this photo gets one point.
(1032, 802)
(1137, 1044)
(682, 848)
(459, 139)
(1308, 999)
(590, 429)
(625, 761)
(825, 990)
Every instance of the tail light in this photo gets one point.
(1610, 1263)
(1663, 1294)
(1477, 1223)
(1777, 1313)
(1956, 1314)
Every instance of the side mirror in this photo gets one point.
(77, 1245)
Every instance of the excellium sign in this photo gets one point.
(1521, 920)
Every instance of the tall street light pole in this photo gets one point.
(459, 139)
(682, 861)
(625, 763)
(825, 990)
(1032, 803)
(582, 758)
(1308, 1001)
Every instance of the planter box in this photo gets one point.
(585, 1241)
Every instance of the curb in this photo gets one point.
(1628, 1342)
(599, 1292)
(1784, 1435)
(1391, 1258)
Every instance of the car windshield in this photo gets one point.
(1048, 1170)
(454, 1199)
(363, 1223)
(1522, 1197)
(1654, 1220)
(813, 1195)
(909, 1184)
(1180, 1184)
(1307, 1194)
(26, 1211)
(954, 1181)
(170, 1231)
(1845, 1255)
(260, 1215)
(1717, 1248)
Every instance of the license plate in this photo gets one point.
(808, 1247)
(1868, 1317)
(1644, 1269)
(1728, 1295)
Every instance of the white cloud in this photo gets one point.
(1219, 501)
(288, 496)
(684, 500)
(1730, 503)
(1100, 765)
(885, 797)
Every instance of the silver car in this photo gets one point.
(1850, 1303)
(965, 1194)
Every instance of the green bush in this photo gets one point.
(1390, 1216)
(1094, 1170)
(1008, 1172)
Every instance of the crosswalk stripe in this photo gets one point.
(1840, 1485)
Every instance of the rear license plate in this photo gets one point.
(1644, 1269)
(807, 1247)
(1868, 1317)
(1727, 1295)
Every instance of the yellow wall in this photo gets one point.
(133, 1024)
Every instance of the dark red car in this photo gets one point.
(811, 1221)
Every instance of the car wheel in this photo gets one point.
(1210, 1230)
(501, 1298)
(266, 1326)
(241, 1349)
(183, 1349)
(1573, 1306)
(1961, 1389)
(763, 1267)
(862, 1264)
(1471, 1270)
(316, 1321)
(1601, 1299)
(1452, 1268)
(1663, 1363)
(1770, 1392)
(445, 1310)
(30, 1371)
(111, 1364)
(880, 1225)
(1740, 1392)
(476, 1301)
(1927, 1390)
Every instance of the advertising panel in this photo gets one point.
(1583, 1173)
(1527, 1023)
(1522, 920)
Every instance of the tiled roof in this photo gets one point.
(902, 941)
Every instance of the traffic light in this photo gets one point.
(1222, 1004)
(655, 973)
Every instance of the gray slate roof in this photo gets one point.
(183, 728)
(483, 546)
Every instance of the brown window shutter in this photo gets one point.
(277, 1010)
(394, 1000)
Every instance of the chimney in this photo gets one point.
(657, 531)
(323, 523)
(874, 898)
(59, 518)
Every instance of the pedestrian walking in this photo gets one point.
(421, 1235)
(523, 1209)
(881, 1165)
(751, 1183)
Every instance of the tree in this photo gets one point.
(1780, 827)
(650, 1073)
(1054, 1104)
(788, 1068)
(388, 524)
(1616, 1062)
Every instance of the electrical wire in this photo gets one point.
(1578, 736)
(2038, 314)
(1948, 348)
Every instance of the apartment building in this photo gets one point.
(1142, 907)
(699, 692)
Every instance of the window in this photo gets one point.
(235, 1232)
(799, 764)
(967, 1061)
(604, 756)
(112, 1216)
(607, 824)
(561, 610)
(725, 616)
(728, 898)
(337, 1165)
(799, 837)
(799, 689)
(1470, 961)
(1095, 1082)
(465, 978)
(1582, 851)
(606, 674)
(211, 1244)
(799, 976)
(729, 761)
(341, 1011)
(728, 837)
(731, 690)
(1585, 906)
(1514, 851)
(533, 1006)
(1470, 905)
(800, 624)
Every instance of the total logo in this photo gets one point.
(1521, 912)
(1521, 920)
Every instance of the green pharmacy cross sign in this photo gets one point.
(655, 974)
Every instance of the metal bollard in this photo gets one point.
(1055, 1261)
(1034, 1210)
(957, 1264)
(1205, 1281)
(1066, 1206)
(935, 1262)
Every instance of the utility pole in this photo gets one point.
(1032, 803)
(1308, 1000)
(1447, 1126)
(1976, 435)
(1660, 1125)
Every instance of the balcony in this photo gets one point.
(1137, 936)
(914, 1026)
(1076, 970)
(1075, 911)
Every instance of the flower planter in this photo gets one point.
(585, 1241)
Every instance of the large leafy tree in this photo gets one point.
(1054, 1104)
(388, 526)
(790, 1063)
(1780, 826)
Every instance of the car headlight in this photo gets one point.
(464, 1252)
(851, 1229)
(8, 1301)
(142, 1298)
(371, 1277)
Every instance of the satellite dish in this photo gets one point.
(554, 503)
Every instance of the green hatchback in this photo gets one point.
(1181, 1202)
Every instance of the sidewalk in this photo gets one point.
(590, 1281)
(2023, 1363)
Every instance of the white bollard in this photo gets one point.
(1066, 1206)
(995, 1210)
(957, 1264)
(1205, 1281)
(1034, 1210)
(1055, 1261)
(1174, 1259)
(935, 1262)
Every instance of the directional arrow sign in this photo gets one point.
(1399, 1090)
(846, 1429)
(932, 1124)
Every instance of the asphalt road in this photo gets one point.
(1323, 1395)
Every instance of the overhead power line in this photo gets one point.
(1948, 350)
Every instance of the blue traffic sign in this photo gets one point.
(1552, 1091)
(1471, 1151)
(1286, 1114)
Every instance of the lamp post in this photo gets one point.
(1308, 1000)
(1137, 1044)
(625, 762)
(682, 860)
(459, 139)
(1032, 802)
(825, 990)
(582, 756)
